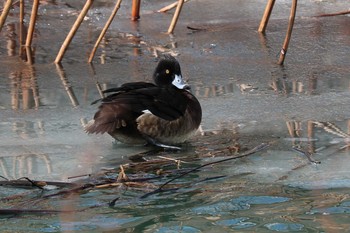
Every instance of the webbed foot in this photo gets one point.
(154, 142)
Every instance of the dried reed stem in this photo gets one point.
(169, 7)
(73, 30)
(333, 14)
(21, 11)
(21, 26)
(289, 32)
(5, 13)
(135, 11)
(104, 30)
(266, 16)
(176, 16)
(32, 23)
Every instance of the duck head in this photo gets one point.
(168, 72)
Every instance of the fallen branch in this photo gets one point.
(78, 189)
(33, 183)
(31, 211)
(4, 13)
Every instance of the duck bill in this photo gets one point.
(179, 83)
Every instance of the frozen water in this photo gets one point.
(231, 68)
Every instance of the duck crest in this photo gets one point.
(162, 114)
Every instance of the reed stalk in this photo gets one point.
(104, 30)
(73, 30)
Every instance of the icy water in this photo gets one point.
(299, 108)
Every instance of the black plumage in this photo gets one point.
(161, 113)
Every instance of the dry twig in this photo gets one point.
(333, 14)
(73, 30)
(250, 152)
(5, 13)
(169, 7)
(104, 30)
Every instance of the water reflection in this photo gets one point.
(295, 130)
(214, 91)
(66, 85)
(24, 86)
(49, 143)
(25, 165)
(11, 40)
(282, 83)
(23, 80)
(28, 129)
(25, 91)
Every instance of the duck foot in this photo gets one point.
(154, 142)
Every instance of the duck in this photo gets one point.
(164, 113)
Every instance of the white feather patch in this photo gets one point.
(147, 111)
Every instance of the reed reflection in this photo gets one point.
(99, 87)
(24, 85)
(25, 165)
(23, 82)
(281, 83)
(306, 142)
(67, 86)
(11, 39)
(214, 90)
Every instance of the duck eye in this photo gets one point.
(167, 71)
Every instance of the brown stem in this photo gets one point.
(5, 13)
(73, 30)
(104, 30)
(32, 23)
(289, 33)
(266, 16)
(169, 7)
(175, 17)
(135, 11)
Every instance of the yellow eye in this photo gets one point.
(167, 71)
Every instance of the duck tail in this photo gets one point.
(90, 127)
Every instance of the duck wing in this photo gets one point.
(128, 102)
(126, 87)
(166, 103)
(129, 86)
